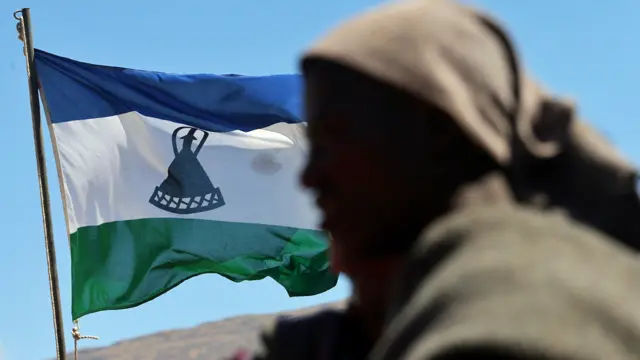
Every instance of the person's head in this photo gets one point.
(409, 103)
(369, 146)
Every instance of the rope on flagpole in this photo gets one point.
(75, 332)
(23, 27)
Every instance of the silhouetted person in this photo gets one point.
(519, 224)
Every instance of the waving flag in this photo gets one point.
(166, 177)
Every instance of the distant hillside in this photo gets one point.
(209, 341)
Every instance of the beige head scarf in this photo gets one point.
(464, 62)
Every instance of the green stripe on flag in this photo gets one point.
(123, 264)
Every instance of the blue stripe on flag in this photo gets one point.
(80, 91)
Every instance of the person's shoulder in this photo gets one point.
(520, 281)
(510, 244)
(516, 238)
(518, 226)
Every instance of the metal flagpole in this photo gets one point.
(24, 34)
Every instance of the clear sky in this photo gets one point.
(577, 47)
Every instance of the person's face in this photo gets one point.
(366, 163)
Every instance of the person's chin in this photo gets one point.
(330, 222)
(329, 225)
(341, 233)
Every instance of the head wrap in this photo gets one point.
(463, 62)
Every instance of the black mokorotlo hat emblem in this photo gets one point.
(187, 189)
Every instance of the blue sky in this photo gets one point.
(579, 47)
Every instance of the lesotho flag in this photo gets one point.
(167, 176)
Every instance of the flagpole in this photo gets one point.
(24, 34)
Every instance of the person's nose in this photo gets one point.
(314, 170)
(308, 177)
